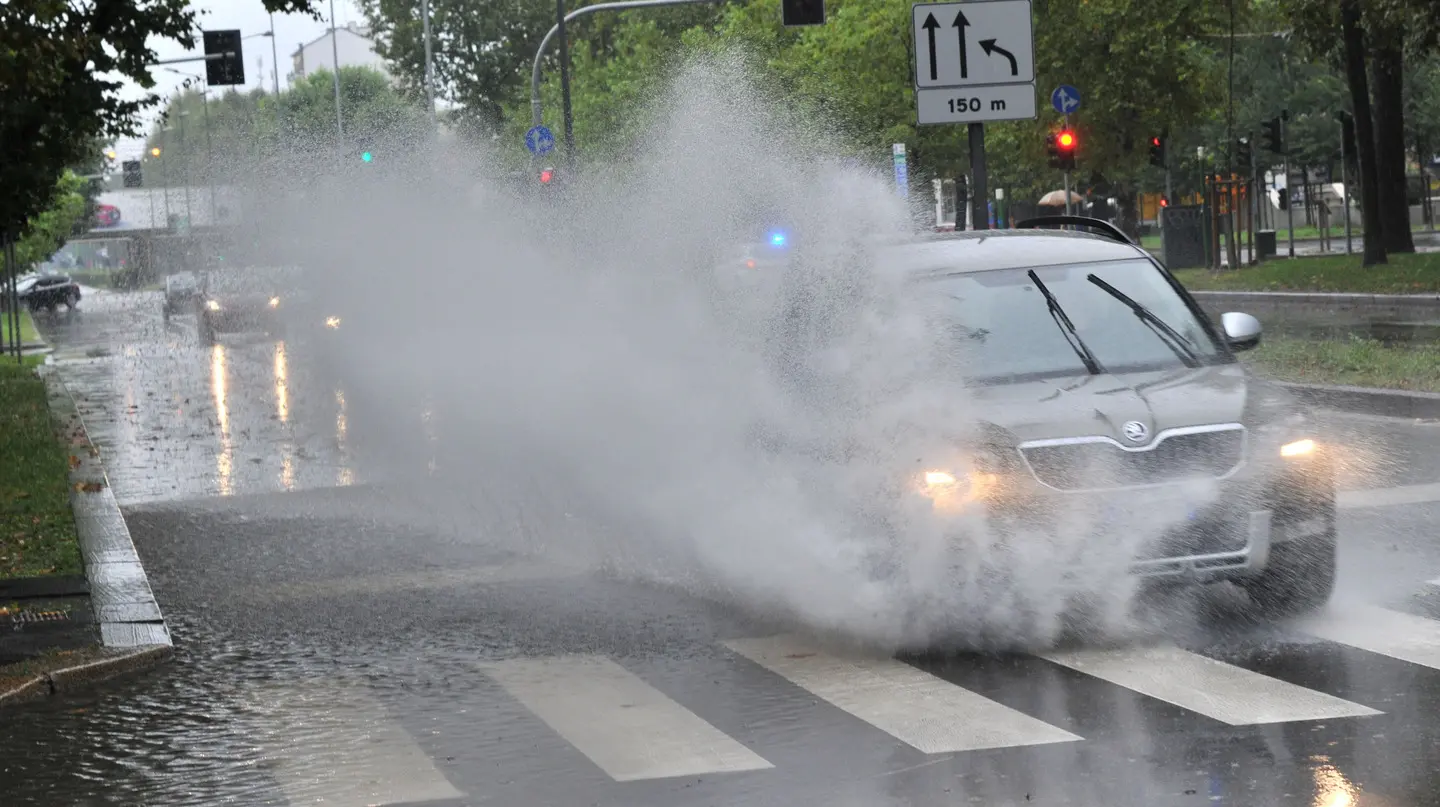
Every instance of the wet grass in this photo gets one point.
(27, 328)
(1354, 361)
(1416, 273)
(37, 526)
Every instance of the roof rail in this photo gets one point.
(1104, 227)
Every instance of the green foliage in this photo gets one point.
(63, 66)
(47, 230)
(245, 127)
(482, 52)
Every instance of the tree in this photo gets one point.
(245, 127)
(48, 230)
(64, 64)
(481, 52)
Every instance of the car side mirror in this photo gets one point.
(1242, 331)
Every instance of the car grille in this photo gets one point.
(1094, 465)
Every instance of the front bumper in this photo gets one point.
(1213, 566)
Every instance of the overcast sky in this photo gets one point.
(251, 18)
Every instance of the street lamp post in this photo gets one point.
(335, 53)
(184, 146)
(429, 59)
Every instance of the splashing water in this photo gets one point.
(609, 383)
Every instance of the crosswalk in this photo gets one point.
(339, 744)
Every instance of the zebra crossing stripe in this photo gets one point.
(1378, 630)
(1212, 688)
(331, 744)
(910, 705)
(625, 726)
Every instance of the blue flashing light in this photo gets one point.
(777, 239)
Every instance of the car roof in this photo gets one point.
(979, 251)
(988, 250)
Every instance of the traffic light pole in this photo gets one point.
(1289, 206)
(1067, 175)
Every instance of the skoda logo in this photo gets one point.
(1135, 431)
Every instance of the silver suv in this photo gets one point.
(1104, 389)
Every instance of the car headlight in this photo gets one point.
(1298, 448)
(953, 490)
(213, 305)
(332, 322)
(274, 302)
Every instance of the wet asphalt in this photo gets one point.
(342, 643)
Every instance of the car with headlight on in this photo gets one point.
(244, 299)
(1108, 405)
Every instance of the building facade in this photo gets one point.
(353, 43)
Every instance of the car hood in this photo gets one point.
(1091, 405)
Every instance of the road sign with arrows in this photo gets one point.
(974, 61)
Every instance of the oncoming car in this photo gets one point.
(1102, 388)
(247, 299)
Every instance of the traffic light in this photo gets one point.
(155, 151)
(1274, 138)
(802, 12)
(1157, 151)
(131, 172)
(110, 154)
(1065, 145)
(229, 68)
(962, 191)
(547, 176)
(1243, 154)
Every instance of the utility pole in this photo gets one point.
(1289, 202)
(275, 57)
(335, 52)
(429, 61)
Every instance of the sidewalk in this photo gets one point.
(78, 607)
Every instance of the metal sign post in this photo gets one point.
(974, 62)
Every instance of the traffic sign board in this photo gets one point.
(976, 43)
(539, 140)
(1065, 99)
(975, 104)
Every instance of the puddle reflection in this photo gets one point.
(219, 377)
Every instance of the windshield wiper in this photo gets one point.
(1062, 320)
(1160, 327)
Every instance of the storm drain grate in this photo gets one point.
(40, 616)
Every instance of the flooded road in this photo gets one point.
(341, 643)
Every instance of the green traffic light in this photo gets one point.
(367, 156)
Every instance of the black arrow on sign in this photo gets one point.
(961, 23)
(930, 25)
(991, 48)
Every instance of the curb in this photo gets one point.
(1368, 400)
(120, 595)
(71, 679)
(1394, 305)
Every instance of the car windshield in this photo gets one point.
(1006, 332)
(250, 280)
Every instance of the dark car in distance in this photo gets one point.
(243, 300)
(183, 292)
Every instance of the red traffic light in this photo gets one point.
(1066, 139)
(547, 175)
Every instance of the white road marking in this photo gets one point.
(625, 726)
(1435, 582)
(1213, 688)
(1389, 633)
(910, 705)
(1385, 497)
(332, 745)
